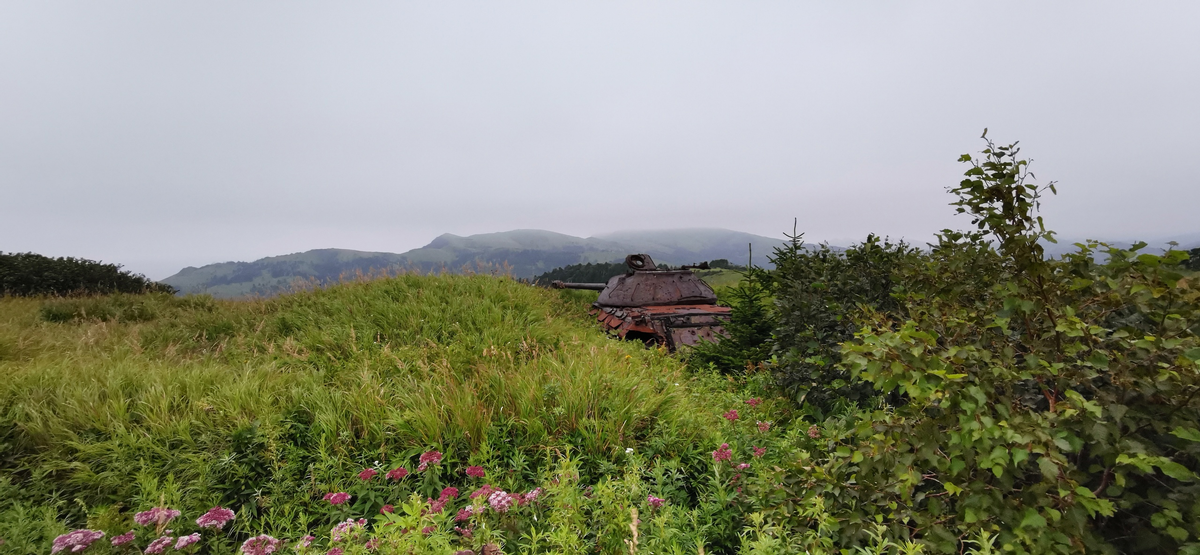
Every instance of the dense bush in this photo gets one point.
(1032, 404)
(26, 274)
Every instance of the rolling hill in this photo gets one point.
(524, 252)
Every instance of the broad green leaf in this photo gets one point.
(1186, 433)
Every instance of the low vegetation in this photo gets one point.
(972, 397)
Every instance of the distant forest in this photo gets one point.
(29, 274)
(600, 272)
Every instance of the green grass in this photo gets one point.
(110, 404)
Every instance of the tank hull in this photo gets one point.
(671, 326)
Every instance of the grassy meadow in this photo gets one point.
(117, 404)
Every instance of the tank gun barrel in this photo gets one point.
(556, 284)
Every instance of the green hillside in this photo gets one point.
(264, 406)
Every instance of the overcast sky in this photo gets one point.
(166, 134)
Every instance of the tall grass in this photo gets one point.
(110, 404)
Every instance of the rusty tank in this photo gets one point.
(659, 307)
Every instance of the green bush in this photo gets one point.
(28, 274)
(1052, 404)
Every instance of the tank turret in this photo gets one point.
(663, 307)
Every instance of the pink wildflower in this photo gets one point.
(337, 498)
(77, 540)
(334, 551)
(450, 493)
(428, 530)
(500, 501)
(463, 514)
(387, 509)
(531, 496)
(157, 515)
(753, 401)
(428, 458)
(348, 530)
(764, 427)
(436, 505)
(814, 432)
(260, 545)
(397, 473)
(159, 545)
(655, 502)
(484, 491)
(184, 541)
(724, 453)
(367, 474)
(731, 415)
(216, 517)
(759, 451)
(466, 532)
(372, 544)
(743, 466)
(304, 542)
(123, 538)
(476, 472)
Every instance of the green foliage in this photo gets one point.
(29, 274)
(1193, 260)
(820, 298)
(750, 327)
(122, 307)
(583, 273)
(1052, 404)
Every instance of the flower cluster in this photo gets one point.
(814, 432)
(367, 474)
(731, 415)
(159, 545)
(387, 509)
(76, 541)
(764, 427)
(442, 500)
(260, 545)
(484, 491)
(753, 401)
(759, 451)
(724, 453)
(655, 502)
(216, 517)
(397, 473)
(428, 458)
(157, 515)
(304, 542)
(476, 472)
(348, 530)
(531, 496)
(337, 498)
(464, 514)
(501, 501)
(184, 541)
(123, 538)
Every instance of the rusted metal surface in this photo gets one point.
(663, 307)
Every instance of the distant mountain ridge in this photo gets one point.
(526, 252)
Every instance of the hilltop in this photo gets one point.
(524, 253)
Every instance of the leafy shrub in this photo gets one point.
(27, 274)
(1052, 404)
